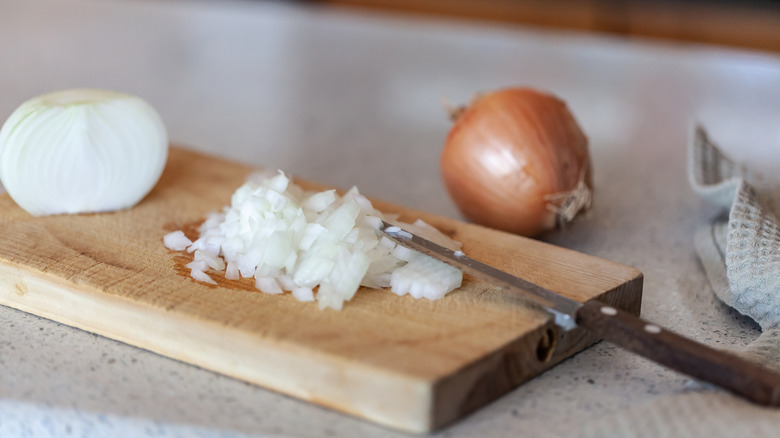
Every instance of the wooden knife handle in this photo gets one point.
(720, 368)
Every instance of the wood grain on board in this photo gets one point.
(414, 365)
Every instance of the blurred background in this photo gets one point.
(751, 24)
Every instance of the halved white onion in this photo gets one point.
(81, 150)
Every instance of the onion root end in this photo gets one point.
(569, 204)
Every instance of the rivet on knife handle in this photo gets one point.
(664, 347)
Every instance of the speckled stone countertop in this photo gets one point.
(346, 98)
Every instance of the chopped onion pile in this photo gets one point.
(303, 242)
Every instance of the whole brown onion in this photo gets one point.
(516, 160)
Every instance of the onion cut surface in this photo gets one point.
(317, 245)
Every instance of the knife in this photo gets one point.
(660, 345)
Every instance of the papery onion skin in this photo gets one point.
(82, 151)
(510, 154)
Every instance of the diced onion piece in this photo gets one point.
(404, 253)
(373, 222)
(211, 260)
(202, 276)
(310, 235)
(387, 242)
(304, 294)
(176, 241)
(320, 201)
(425, 277)
(231, 272)
(199, 265)
(268, 285)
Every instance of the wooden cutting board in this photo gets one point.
(414, 365)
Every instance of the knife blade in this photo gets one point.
(728, 371)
